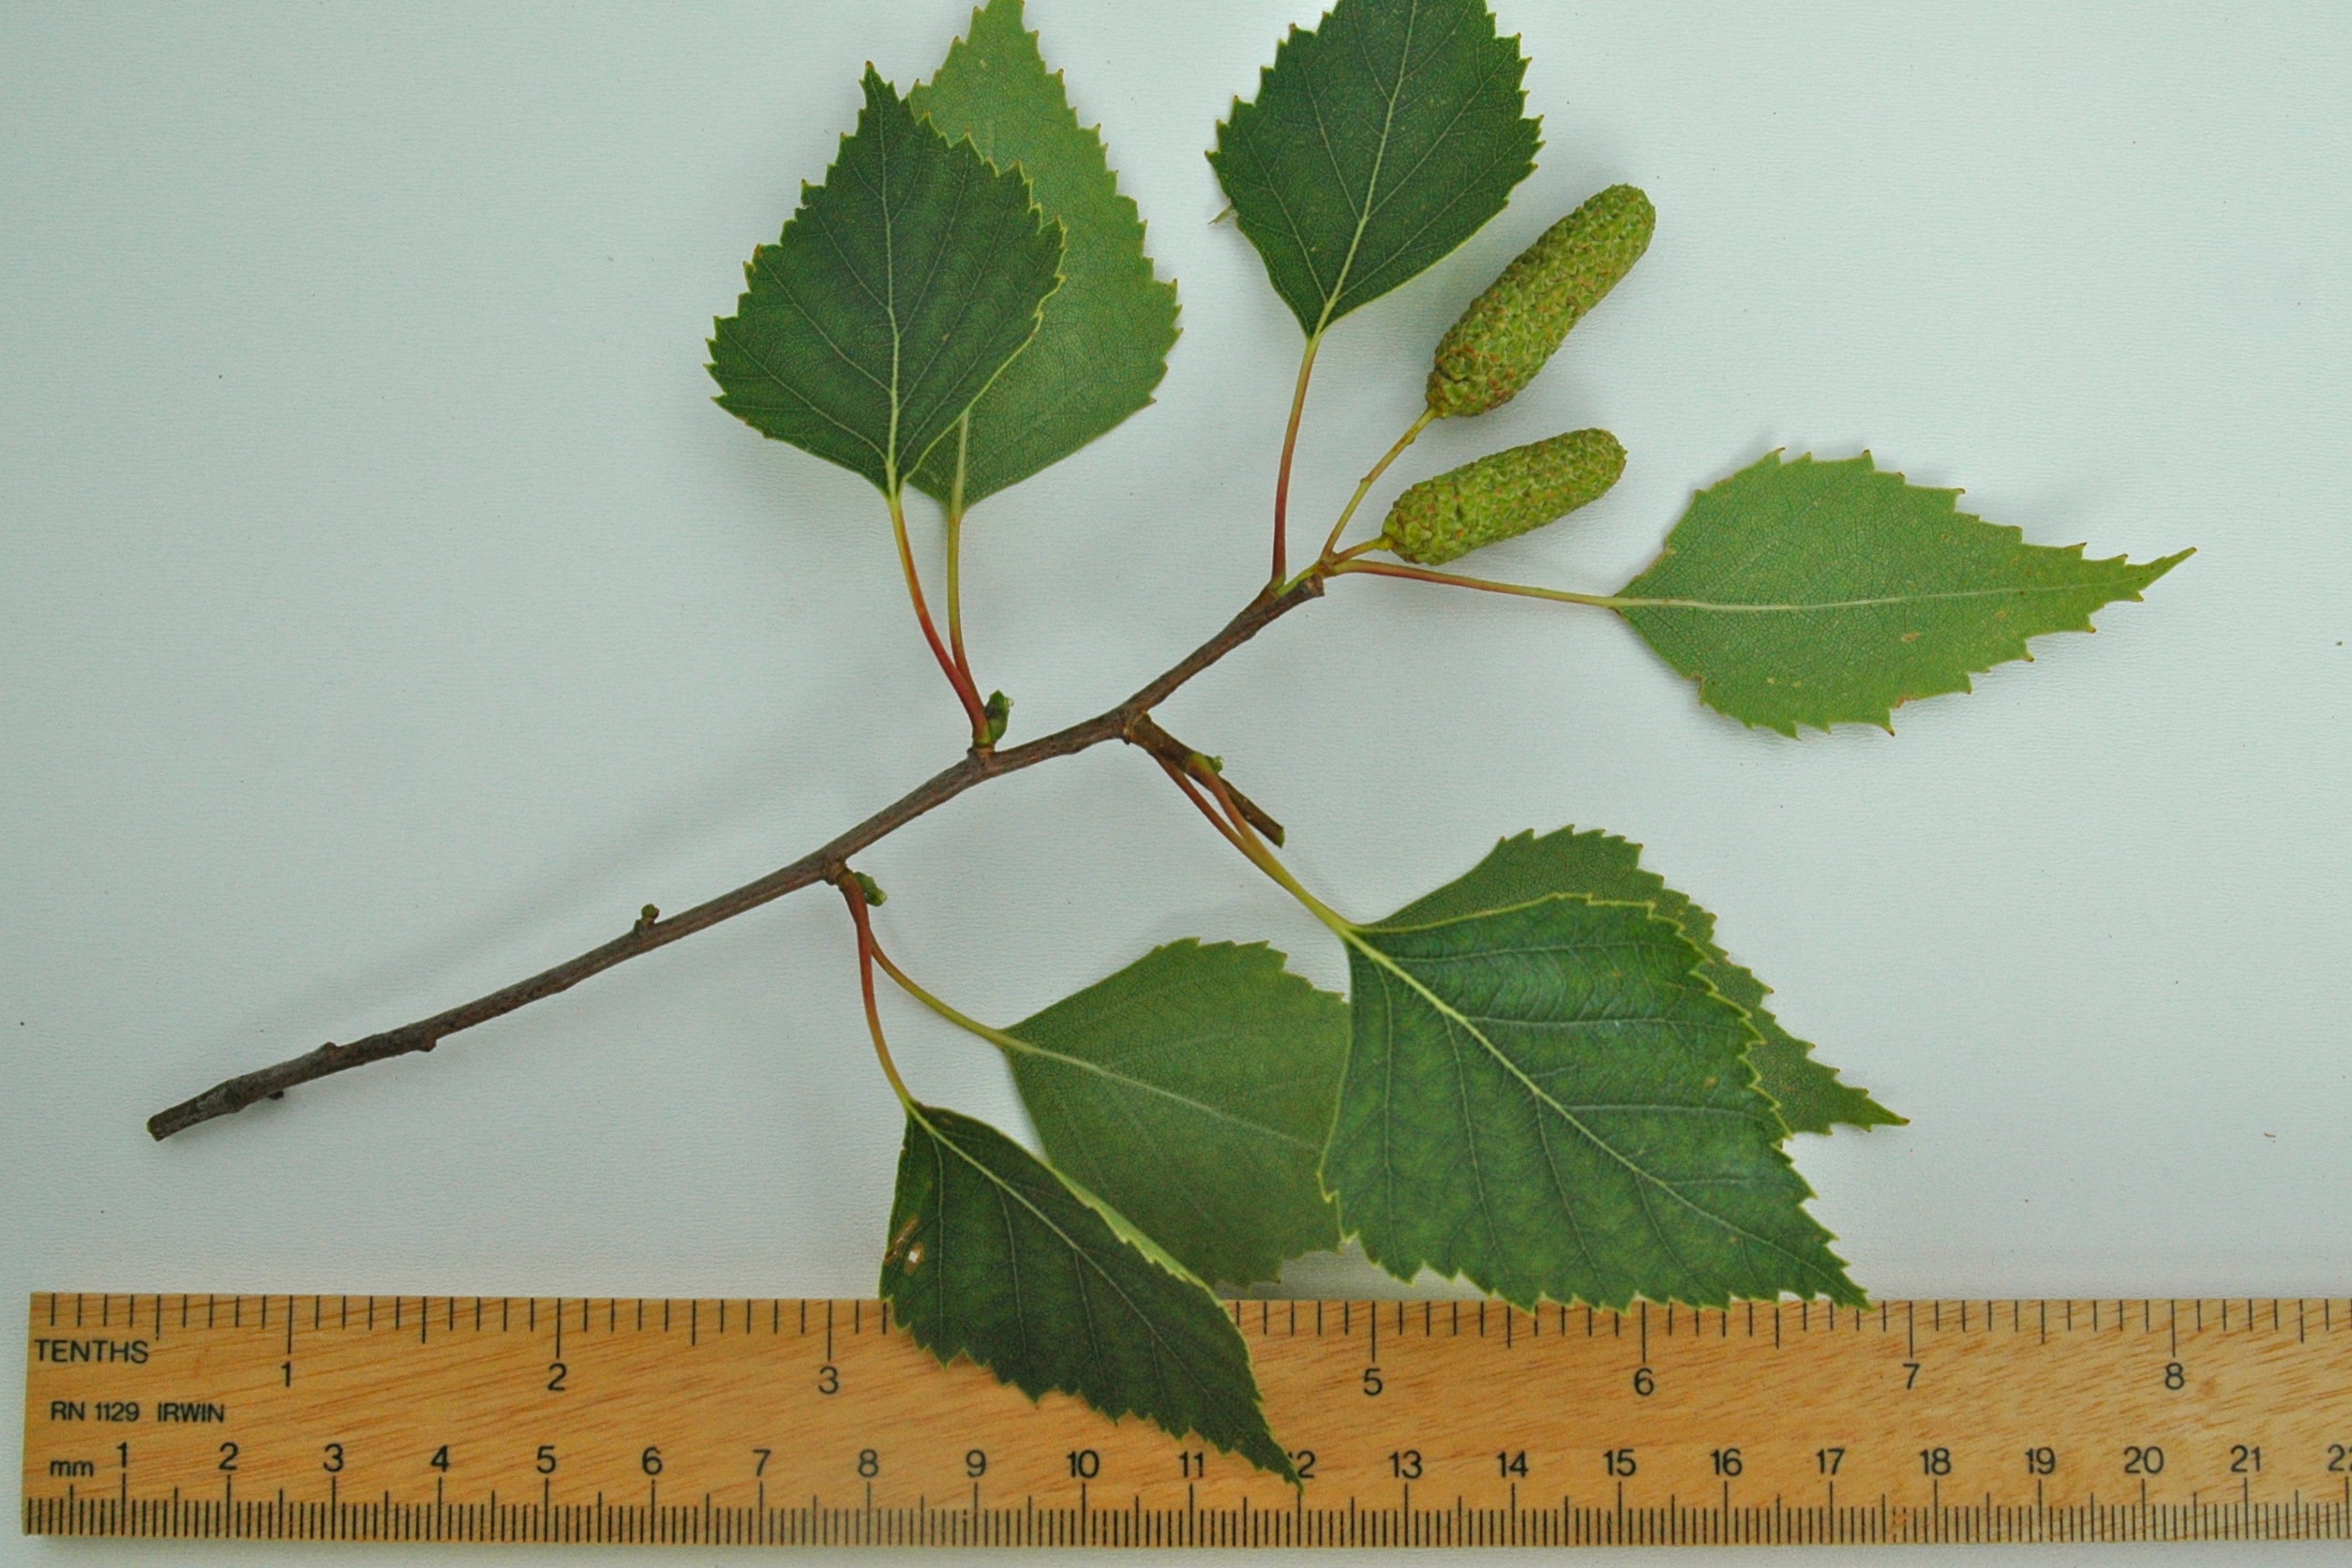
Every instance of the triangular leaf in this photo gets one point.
(1547, 1099)
(1103, 343)
(1193, 1091)
(1811, 592)
(899, 290)
(1523, 868)
(1376, 145)
(994, 1257)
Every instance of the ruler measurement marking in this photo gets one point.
(275, 1507)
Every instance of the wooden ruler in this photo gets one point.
(407, 1418)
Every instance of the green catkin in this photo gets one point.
(1486, 357)
(1502, 495)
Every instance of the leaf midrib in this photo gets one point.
(1006, 1191)
(1005, 1039)
(1015, 1042)
(890, 307)
(1371, 185)
(1354, 937)
(1464, 189)
(2021, 592)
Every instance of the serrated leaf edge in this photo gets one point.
(1850, 1297)
(905, 470)
(1364, 219)
(1118, 194)
(2156, 568)
(1698, 928)
(1128, 1233)
(1059, 77)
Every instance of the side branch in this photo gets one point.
(1172, 753)
(1125, 722)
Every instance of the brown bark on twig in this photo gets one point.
(1145, 733)
(1130, 721)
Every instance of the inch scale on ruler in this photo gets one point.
(1422, 1424)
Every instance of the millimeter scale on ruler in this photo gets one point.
(1415, 1423)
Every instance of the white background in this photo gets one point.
(386, 612)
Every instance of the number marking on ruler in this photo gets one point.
(1421, 1423)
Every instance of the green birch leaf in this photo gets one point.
(1548, 1099)
(1808, 1095)
(1104, 340)
(1812, 592)
(1193, 1091)
(1376, 145)
(994, 1257)
(899, 290)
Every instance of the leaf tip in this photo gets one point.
(2164, 564)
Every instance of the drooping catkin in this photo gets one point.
(1502, 495)
(1509, 332)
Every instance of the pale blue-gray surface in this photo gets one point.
(385, 611)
